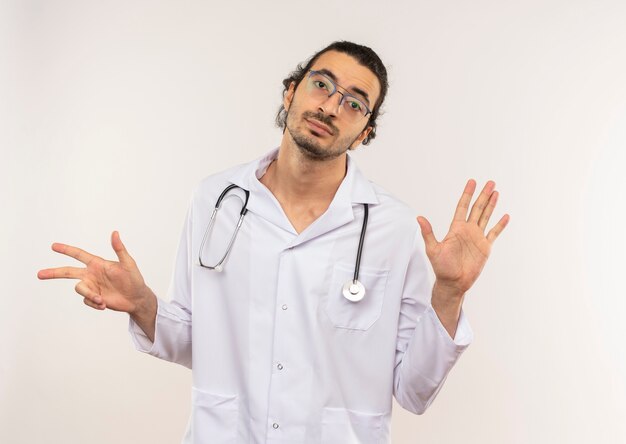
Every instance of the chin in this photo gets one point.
(310, 147)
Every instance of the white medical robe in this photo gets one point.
(278, 354)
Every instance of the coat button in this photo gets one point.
(279, 366)
(275, 425)
(284, 307)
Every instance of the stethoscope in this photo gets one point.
(353, 290)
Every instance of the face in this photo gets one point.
(318, 126)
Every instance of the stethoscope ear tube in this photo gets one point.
(219, 266)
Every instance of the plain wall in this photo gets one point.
(111, 113)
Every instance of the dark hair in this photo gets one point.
(365, 56)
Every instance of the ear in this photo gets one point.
(361, 137)
(288, 97)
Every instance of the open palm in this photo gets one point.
(460, 257)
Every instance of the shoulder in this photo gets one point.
(392, 219)
(222, 177)
(390, 205)
(242, 175)
(393, 223)
(210, 187)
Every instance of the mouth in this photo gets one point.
(318, 126)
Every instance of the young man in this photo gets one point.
(302, 325)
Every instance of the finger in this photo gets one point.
(427, 232)
(74, 252)
(120, 249)
(491, 205)
(481, 202)
(61, 273)
(85, 291)
(464, 202)
(495, 231)
(94, 305)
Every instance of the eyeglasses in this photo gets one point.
(320, 86)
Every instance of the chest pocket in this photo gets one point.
(359, 315)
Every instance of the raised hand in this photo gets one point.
(460, 257)
(104, 284)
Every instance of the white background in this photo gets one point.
(111, 112)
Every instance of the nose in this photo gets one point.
(331, 105)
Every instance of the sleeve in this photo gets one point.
(425, 352)
(172, 339)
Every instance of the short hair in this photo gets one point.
(365, 56)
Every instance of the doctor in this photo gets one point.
(301, 326)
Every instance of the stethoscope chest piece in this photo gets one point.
(353, 290)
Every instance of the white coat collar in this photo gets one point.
(354, 190)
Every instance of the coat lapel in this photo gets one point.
(354, 191)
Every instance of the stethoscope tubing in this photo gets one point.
(353, 290)
(357, 265)
(219, 266)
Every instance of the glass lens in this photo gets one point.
(319, 85)
(353, 107)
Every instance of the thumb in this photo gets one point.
(427, 232)
(120, 249)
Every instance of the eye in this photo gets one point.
(354, 105)
(320, 84)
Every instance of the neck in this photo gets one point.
(297, 180)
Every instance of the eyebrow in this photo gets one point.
(357, 90)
